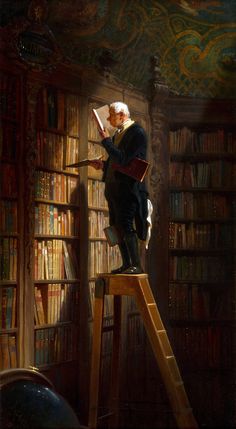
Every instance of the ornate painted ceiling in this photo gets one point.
(195, 40)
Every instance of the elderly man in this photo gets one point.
(126, 197)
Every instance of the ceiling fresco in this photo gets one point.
(194, 40)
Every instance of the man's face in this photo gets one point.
(115, 119)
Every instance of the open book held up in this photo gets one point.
(137, 168)
(100, 115)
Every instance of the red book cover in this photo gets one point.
(137, 168)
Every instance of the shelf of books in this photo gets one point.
(10, 228)
(202, 179)
(57, 217)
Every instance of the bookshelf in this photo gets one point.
(10, 226)
(201, 196)
(52, 218)
(56, 231)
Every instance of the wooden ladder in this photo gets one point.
(138, 287)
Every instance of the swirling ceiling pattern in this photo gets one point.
(195, 40)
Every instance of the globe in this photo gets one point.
(33, 404)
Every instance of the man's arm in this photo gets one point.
(135, 146)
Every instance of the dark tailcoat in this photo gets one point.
(133, 144)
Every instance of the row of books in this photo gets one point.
(200, 235)
(8, 181)
(56, 151)
(8, 258)
(54, 345)
(197, 302)
(50, 150)
(57, 187)
(7, 307)
(203, 174)
(191, 205)
(135, 331)
(9, 95)
(8, 216)
(98, 220)
(59, 110)
(55, 303)
(72, 114)
(210, 345)
(8, 351)
(106, 364)
(95, 150)
(72, 153)
(51, 220)
(215, 387)
(93, 133)
(199, 268)
(185, 140)
(55, 259)
(9, 141)
(102, 258)
(96, 197)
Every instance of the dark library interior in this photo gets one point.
(80, 347)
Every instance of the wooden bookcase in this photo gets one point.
(56, 229)
(196, 281)
(10, 212)
(59, 216)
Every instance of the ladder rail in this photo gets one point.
(164, 356)
(96, 354)
(115, 366)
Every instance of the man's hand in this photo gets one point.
(105, 133)
(97, 164)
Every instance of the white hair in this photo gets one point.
(119, 107)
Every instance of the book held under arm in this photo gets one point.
(137, 168)
(111, 235)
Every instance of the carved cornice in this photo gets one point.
(159, 91)
(30, 39)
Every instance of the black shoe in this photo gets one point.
(133, 270)
(119, 270)
(131, 241)
(125, 258)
